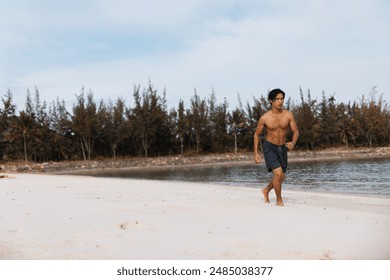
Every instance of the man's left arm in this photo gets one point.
(294, 130)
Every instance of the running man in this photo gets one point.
(276, 122)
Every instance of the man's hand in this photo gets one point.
(257, 158)
(290, 145)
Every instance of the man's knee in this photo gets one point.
(278, 173)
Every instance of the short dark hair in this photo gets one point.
(273, 93)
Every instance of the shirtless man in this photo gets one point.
(276, 122)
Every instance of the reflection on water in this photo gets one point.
(369, 176)
(353, 176)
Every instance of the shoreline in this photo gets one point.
(75, 167)
(45, 216)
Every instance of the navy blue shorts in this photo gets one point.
(275, 156)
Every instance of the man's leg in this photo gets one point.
(277, 181)
(266, 191)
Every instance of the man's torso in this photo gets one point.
(276, 126)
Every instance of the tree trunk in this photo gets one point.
(145, 145)
(82, 149)
(235, 141)
(114, 147)
(25, 147)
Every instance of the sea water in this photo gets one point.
(363, 176)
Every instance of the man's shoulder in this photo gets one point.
(269, 113)
(287, 112)
(266, 114)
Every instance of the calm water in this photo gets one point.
(369, 176)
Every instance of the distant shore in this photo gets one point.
(75, 167)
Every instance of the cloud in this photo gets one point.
(232, 46)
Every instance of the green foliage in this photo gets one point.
(50, 133)
(150, 122)
(308, 122)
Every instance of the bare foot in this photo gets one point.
(265, 193)
(279, 203)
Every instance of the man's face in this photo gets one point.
(278, 102)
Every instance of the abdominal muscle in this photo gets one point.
(276, 137)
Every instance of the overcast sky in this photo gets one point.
(231, 46)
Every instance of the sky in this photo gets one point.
(230, 47)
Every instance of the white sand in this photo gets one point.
(72, 217)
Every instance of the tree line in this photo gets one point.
(89, 130)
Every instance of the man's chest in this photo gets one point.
(277, 122)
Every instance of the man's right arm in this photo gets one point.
(256, 139)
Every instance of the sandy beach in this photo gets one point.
(74, 217)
